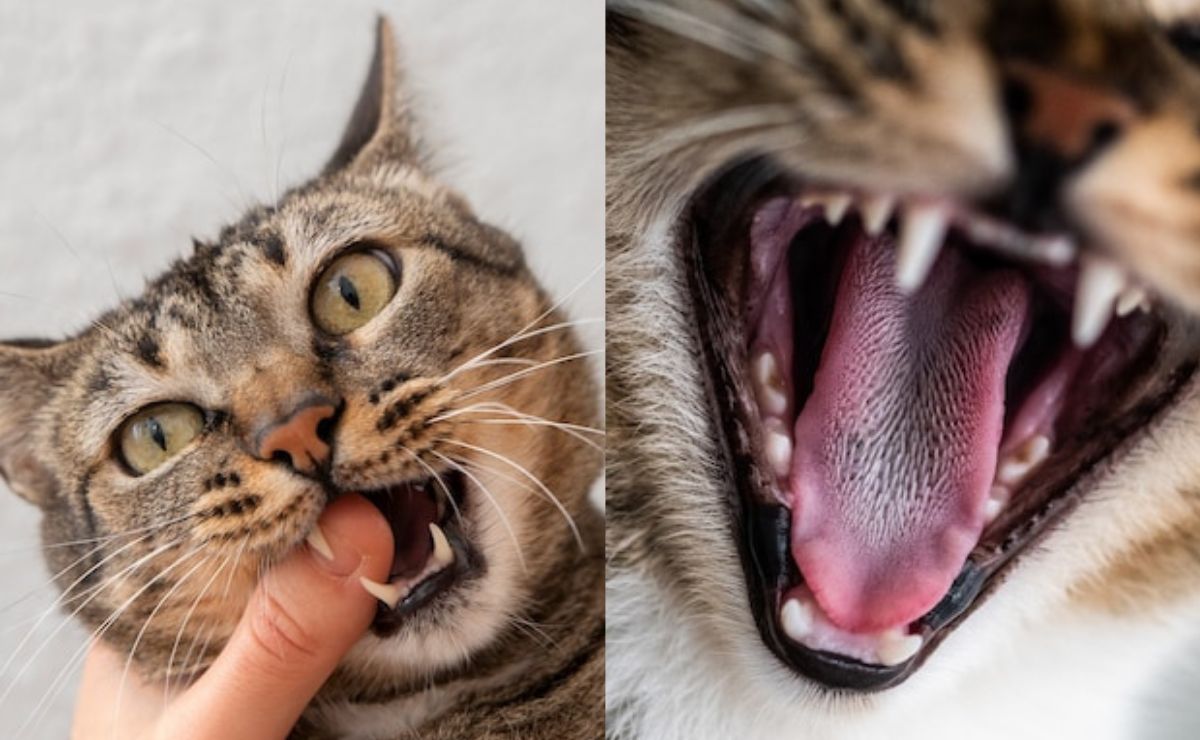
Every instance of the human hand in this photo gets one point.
(304, 616)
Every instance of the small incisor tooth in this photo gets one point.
(389, 593)
(771, 398)
(1100, 282)
(1014, 467)
(796, 618)
(443, 554)
(876, 212)
(836, 207)
(894, 649)
(778, 447)
(922, 230)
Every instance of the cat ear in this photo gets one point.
(28, 372)
(380, 128)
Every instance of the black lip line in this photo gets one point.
(771, 523)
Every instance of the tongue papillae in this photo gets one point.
(895, 448)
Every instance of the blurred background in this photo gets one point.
(128, 126)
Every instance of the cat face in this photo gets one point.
(874, 409)
(365, 334)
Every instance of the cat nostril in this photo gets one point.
(325, 430)
(1104, 133)
(280, 456)
(1018, 100)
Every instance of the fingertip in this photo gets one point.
(359, 535)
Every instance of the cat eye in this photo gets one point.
(157, 433)
(353, 290)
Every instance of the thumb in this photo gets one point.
(306, 613)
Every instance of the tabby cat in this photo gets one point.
(367, 333)
(904, 417)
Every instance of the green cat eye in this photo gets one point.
(352, 291)
(157, 433)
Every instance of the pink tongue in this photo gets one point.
(895, 449)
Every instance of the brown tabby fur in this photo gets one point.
(166, 561)
(892, 95)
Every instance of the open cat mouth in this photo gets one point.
(431, 551)
(908, 395)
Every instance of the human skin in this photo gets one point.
(280, 654)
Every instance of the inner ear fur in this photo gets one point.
(380, 129)
(29, 370)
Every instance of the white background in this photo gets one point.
(127, 126)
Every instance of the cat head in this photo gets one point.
(368, 333)
(874, 410)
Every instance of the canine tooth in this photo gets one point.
(922, 229)
(778, 447)
(1100, 282)
(389, 593)
(876, 212)
(1015, 467)
(443, 554)
(316, 540)
(797, 619)
(895, 648)
(766, 382)
(1131, 299)
(836, 207)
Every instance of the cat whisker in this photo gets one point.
(534, 630)
(513, 377)
(158, 526)
(61, 600)
(146, 624)
(183, 625)
(53, 578)
(521, 333)
(495, 504)
(536, 481)
(244, 197)
(520, 336)
(99, 632)
(433, 474)
(503, 408)
(702, 131)
(720, 29)
(531, 420)
(539, 423)
(212, 627)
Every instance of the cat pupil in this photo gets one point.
(348, 291)
(157, 434)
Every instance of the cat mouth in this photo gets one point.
(910, 395)
(431, 554)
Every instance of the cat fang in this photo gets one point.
(427, 549)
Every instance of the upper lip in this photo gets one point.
(764, 525)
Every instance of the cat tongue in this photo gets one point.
(895, 449)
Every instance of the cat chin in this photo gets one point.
(1009, 663)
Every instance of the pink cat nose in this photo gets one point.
(300, 439)
(1067, 116)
